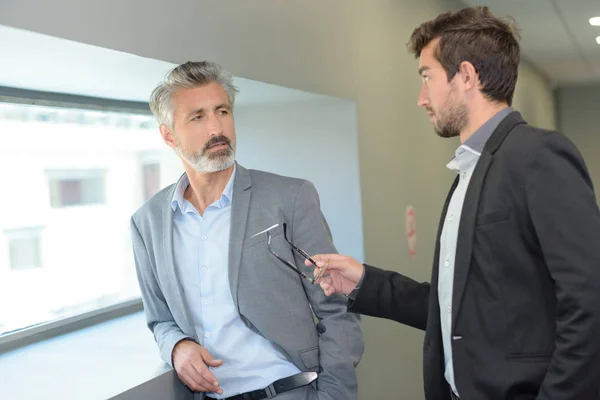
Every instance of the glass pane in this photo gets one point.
(79, 175)
(151, 180)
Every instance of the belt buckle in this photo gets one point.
(270, 391)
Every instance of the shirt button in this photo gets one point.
(207, 334)
(447, 264)
(206, 301)
(449, 308)
(203, 238)
(204, 269)
(450, 217)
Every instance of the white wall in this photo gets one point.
(317, 141)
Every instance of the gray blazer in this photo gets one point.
(271, 299)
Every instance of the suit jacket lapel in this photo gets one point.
(167, 226)
(239, 216)
(464, 244)
(466, 231)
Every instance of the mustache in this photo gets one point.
(217, 140)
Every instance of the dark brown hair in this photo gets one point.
(475, 35)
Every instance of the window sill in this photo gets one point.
(59, 327)
(96, 362)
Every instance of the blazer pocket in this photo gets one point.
(531, 357)
(310, 357)
(262, 238)
(493, 217)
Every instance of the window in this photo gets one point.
(76, 187)
(74, 177)
(151, 178)
(24, 248)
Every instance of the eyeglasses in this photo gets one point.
(298, 250)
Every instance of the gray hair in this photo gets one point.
(190, 75)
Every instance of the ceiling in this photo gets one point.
(556, 36)
(45, 63)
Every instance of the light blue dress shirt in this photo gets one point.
(464, 163)
(201, 246)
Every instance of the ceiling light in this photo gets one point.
(598, 40)
(595, 21)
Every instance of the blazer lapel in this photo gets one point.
(167, 226)
(239, 216)
(464, 244)
(466, 231)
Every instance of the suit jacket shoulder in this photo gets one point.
(274, 183)
(525, 146)
(158, 201)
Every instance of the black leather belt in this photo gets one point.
(277, 387)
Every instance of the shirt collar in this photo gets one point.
(468, 152)
(178, 199)
(478, 140)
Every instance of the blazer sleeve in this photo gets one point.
(391, 295)
(340, 336)
(566, 219)
(159, 319)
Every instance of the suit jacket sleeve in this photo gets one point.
(340, 341)
(565, 216)
(158, 317)
(388, 294)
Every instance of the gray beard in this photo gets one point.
(207, 163)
